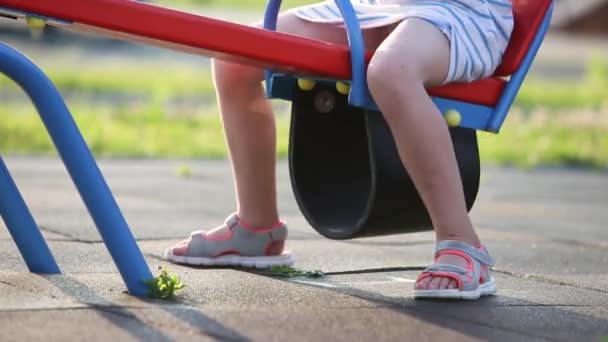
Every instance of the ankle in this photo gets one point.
(472, 240)
(259, 223)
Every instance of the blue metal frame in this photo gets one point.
(82, 168)
(473, 116)
(23, 228)
(516, 80)
(271, 16)
(359, 95)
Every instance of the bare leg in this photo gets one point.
(416, 55)
(249, 122)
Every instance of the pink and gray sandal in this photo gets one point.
(473, 282)
(234, 244)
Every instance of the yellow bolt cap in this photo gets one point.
(35, 23)
(342, 87)
(453, 118)
(306, 84)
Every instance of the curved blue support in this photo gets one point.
(23, 228)
(359, 94)
(270, 23)
(81, 167)
(512, 88)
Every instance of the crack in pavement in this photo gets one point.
(547, 280)
(68, 237)
(583, 243)
(378, 270)
(526, 276)
(7, 283)
(81, 306)
(539, 278)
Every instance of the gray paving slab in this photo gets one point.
(93, 324)
(224, 302)
(160, 204)
(346, 324)
(553, 204)
(549, 261)
(545, 228)
(155, 201)
(6, 236)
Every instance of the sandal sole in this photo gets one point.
(485, 289)
(231, 260)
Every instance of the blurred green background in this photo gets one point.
(136, 101)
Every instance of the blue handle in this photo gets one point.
(270, 23)
(359, 95)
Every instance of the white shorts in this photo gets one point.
(478, 30)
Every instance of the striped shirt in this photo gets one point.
(479, 30)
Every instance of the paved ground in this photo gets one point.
(546, 228)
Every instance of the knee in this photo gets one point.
(389, 76)
(231, 75)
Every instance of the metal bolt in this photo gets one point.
(325, 101)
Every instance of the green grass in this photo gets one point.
(527, 139)
(290, 272)
(127, 111)
(549, 138)
(178, 81)
(590, 92)
(170, 82)
(124, 132)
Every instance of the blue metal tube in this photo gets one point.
(23, 228)
(359, 94)
(81, 167)
(271, 16)
(512, 88)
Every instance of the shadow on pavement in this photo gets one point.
(491, 317)
(122, 318)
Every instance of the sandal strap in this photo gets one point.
(480, 255)
(447, 268)
(232, 220)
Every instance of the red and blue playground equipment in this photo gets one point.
(362, 190)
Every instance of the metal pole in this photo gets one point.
(23, 228)
(82, 168)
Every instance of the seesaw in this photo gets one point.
(345, 172)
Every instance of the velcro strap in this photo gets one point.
(446, 268)
(480, 256)
(232, 220)
(197, 233)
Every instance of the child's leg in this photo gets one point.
(415, 55)
(250, 133)
(249, 121)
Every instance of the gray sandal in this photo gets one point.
(473, 282)
(234, 244)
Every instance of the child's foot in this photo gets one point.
(234, 244)
(461, 271)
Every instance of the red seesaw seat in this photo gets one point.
(528, 15)
(170, 28)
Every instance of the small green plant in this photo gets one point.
(290, 272)
(164, 286)
(184, 171)
(604, 338)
